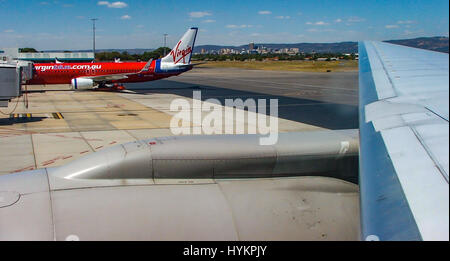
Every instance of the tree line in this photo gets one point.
(158, 53)
(125, 56)
(273, 56)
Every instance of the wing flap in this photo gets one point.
(109, 77)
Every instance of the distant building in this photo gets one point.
(251, 46)
(15, 54)
(295, 50)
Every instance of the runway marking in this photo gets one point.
(51, 161)
(20, 115)
(31, 167)
(45, 164)
(279, 83)
(15, 132)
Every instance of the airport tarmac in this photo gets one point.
(61, 125)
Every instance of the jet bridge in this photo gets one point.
(12, 75)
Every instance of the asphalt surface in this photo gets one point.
(327, 100)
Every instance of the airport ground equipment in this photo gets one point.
(12, 75)
(10, 83)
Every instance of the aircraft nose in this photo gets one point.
(25, 206)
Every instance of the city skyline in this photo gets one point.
(142, 24)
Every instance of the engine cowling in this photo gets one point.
(82, 83)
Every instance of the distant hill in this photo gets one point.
(438, 43)
(343, 47)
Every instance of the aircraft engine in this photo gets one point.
(82, 83)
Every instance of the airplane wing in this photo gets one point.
(404, 142)
(117, 76)
(147, 65)
(108, 77)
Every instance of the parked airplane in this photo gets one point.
(114, 74)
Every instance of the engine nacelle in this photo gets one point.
(82, 83)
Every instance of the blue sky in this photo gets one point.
(65, 24)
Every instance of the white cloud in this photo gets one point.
(405, 22)
(283, 17)
(44, 3)
(199, 14)
(317, 23)
(355, 19)
(338, 20)
(239, 26)
(407, 32)
(321, 23)
(9, 31)
(315, 30)
(209, 21)
(117, 4)
(264, 12)
(125, 17)
(391, 26)
(140, 26)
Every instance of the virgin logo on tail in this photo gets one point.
(180, 54)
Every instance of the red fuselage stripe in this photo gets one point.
(63, 73)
